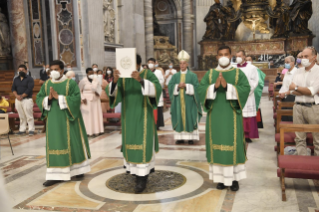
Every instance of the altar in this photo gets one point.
(285, 36)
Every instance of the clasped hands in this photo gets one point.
(53, 94)
(220, 81)
(135, 75)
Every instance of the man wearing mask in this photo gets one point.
(68, 68)
(22, 89)
(223, 92)
(186, 110)
(139, 96)
(91, 89)
(44, 73)
(67, 147)
(249, 111)
(70, 75)
(152, 66)
(169, 73)
(284, 92)
(305, 87)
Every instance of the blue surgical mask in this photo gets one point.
(156, 65)
(287, 66)
(170, 66)
(73, 78)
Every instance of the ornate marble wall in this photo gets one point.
(65, 31)
(36, 33)
(18, 32)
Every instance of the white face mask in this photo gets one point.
(170, 66)
(305, 63)
(92, 76)
(47, 69)
(249, 62)
(239, 60)
(69, 69)
(73, 78)
(151, 66)
(55, 74)
(109, 72)
(95, 69)
(224, 61)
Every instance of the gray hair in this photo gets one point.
(291, 58)
(69, 73)
(313, 50)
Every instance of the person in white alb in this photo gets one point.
(158, 73)
(249, 111)
(169, 73)
(305, 87)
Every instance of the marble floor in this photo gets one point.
(25, 172)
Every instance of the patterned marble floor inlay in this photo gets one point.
(21, 166)
(195, 192)
(157, 182)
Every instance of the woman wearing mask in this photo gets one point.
(90, 88)
(109, 75)
(105, 105)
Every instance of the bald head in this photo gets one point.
(70, 74)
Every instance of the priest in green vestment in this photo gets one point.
(223, 92)
(67, 147)
(139, 96)
(186, 110)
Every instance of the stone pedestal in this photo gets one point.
(298, 43)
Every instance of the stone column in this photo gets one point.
(149, 30)
(188, 29)
(18, 32)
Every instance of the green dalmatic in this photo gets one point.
(186, 110)
(65, 130)
(225, 143)
(139, 134)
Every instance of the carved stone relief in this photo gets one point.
(109, 21)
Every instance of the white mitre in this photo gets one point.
(183, 56)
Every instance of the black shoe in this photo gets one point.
(140, 184)
(152, 170)
(179, 141)
(235, 186)
(220, 186)
(248, 140)
(51, 182)
(191, 142)
(79, 176)
(20, 133)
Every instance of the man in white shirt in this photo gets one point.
(169, 73)
(249, 111)
(284, 92)
(160, 118)
(305, 87)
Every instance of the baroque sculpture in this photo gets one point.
(109, 21)
(221, 22)
(300, 13)
(279, 20)
(5, 48)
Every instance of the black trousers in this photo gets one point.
(160, 117)
(290, 98)
(1, 111)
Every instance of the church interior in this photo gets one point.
(87, 33)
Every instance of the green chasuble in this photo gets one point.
(65, 130)
(225, 142)
(259, 89)
(186, 110)
(138, 124)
